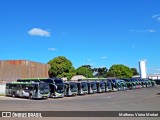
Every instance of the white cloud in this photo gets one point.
(52, 49)
(157, 17)
(151, 30)
(88, 59)
(133, 30)
(104, 57)
(148, 30)
(39, 32)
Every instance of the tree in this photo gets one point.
(110, 74)
(61, 67)
(135, 72)
(100, 72)
(85, 70)
(120, 71)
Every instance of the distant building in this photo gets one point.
(11, 70)
(150, 76)
(154, 76)
(77, 77)
(64, 78)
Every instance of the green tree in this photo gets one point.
(100, 72)
(110, 74)
(61, 67)
(85, 70)
(135, 72)
(120, 71)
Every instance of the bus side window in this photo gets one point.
(7, 86)
(13, 87)
(20, 87)
(30, 87)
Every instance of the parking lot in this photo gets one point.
(144, 99)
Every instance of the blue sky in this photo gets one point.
(95, 32)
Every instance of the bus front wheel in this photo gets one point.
(30, 96)
(13, 95)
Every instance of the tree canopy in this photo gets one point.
(100, 72)
(85, 70)
(135, 72)
(120, 71)
(61, 67)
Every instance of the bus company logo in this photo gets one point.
(6, 114)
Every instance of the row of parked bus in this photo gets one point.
(36, 88)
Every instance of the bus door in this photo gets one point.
(80, 91)
(84, 87)
(93, 87)
(67, 89)
(98, 87)
(90, 91)
(109, 85)
(102, 86)
(52, 89)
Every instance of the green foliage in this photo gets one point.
(85, 70)
(2, 94)
(61, 67)
(110, 74)
(135, 72)
(100, 72)
(120, 71)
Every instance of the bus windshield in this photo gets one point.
(43, 88)
(73, 86)
(93, 85)
(84, 86)
(60, 88)
(102, 85)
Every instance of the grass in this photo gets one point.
(2, 94)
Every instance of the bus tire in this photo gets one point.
(30, 96)
(13, 95)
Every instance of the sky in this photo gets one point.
(99, 33)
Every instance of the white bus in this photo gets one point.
(32, 90)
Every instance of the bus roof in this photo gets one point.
(48, 80)
(93, 79)
(31, 78)
(24, 83)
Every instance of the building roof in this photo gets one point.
(148, 75)
(77, 77)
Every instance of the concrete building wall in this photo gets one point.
(11, 70)
(2, 89)
(154, 77)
